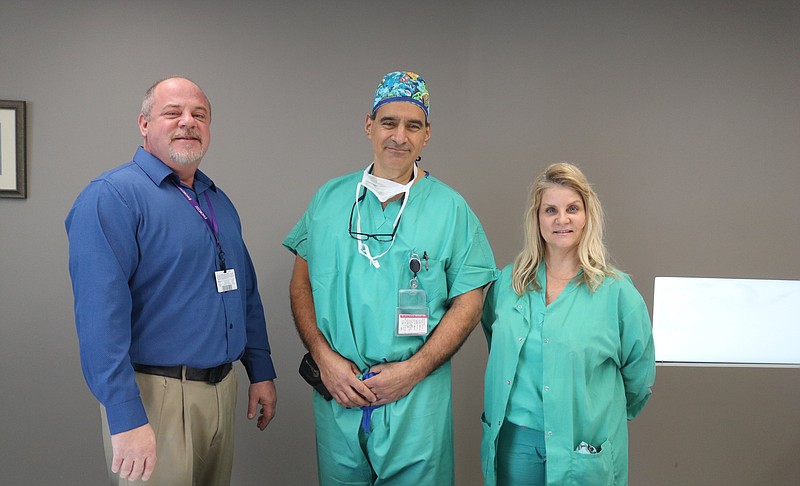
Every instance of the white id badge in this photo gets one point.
(226, 280)
(412, 313)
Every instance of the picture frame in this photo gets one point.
(13, 153)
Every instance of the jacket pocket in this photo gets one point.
(594, 469)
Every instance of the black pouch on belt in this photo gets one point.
(310, 372)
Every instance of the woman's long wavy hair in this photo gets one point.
(591, 249)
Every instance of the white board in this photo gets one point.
(723, 321)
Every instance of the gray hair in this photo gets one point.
(149, 95)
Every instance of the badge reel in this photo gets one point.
(412, 309)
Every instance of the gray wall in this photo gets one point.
(685, 115)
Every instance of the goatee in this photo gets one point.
(187, 157)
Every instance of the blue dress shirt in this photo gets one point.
(142, 263)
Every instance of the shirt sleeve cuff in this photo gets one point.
(126, 416)
(471, 278)
(259, 369)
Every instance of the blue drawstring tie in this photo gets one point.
(366, 412)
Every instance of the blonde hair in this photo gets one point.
(591, 249)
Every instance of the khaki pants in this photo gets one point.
(194, 424)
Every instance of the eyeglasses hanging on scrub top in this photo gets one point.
(381, 237)
(384, 190)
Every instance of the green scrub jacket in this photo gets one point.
(598, 370)
(355, 306)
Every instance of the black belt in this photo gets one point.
(208, 375)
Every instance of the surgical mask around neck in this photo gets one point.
(385, 189)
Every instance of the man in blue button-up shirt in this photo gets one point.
(165, 300)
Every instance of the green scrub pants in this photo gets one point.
(521, 456)
(410, 441)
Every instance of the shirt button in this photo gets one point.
(519, 306)
(549, 434)
(508, 382)
(546, 340)
(520, 339)
(546, 388)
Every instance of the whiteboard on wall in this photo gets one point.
(726, 322)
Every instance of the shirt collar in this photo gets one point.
(158, 171)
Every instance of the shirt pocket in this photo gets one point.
(595, 469)
(433, 279)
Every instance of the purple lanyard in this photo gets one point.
(211, 222)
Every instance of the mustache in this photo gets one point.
(395, 145)
(190, 133)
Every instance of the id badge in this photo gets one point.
(412, 313)
(226, 280)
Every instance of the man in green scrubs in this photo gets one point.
(387, 284)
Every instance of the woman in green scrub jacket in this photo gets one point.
(571, 355)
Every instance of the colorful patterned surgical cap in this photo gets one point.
(402, 86)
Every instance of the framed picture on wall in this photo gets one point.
(13, 182)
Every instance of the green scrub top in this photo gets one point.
(355, 303)
(598, 367)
